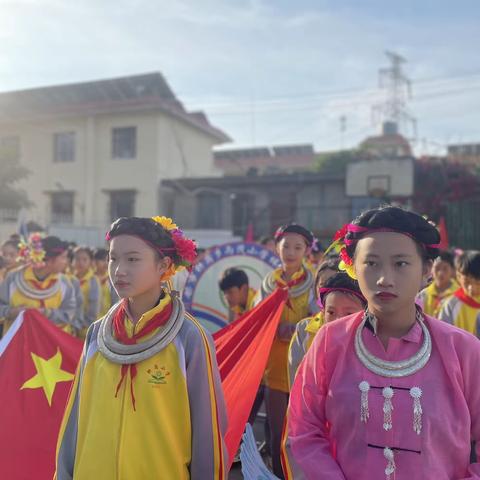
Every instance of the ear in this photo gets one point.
(164, 264)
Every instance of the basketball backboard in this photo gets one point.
(380, 178)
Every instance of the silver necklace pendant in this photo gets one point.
(398, 369)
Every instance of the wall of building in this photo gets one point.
(165, 148)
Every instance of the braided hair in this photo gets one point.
(147, 229)
(396, 219)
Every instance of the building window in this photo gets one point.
(61, 207)
(124, 143)
(122, 204)
(64, 147)
(209, 210)
(10, 148)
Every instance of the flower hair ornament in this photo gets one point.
(340, 247)
(32, 251)
(185, 248)
(341, 242)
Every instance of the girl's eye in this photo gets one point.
(370, 263)
(133, 259)
(402, 263)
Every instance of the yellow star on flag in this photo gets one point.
(48, 374)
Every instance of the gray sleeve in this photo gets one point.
(446, 313)
(209, 457)
(67, 438)
(93, 310)
(5, 288)
(65, 314)
(296, 351)
(312, 303)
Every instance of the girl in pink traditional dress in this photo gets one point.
(388, 393)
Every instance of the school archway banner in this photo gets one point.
(201, 295)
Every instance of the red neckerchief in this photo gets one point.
(38, 285)
(291, 284)
(120, 332)
(461, 295)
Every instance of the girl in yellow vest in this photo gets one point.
(107, 294)
(89, 286)
(147, 402)
(443, 286)
(293, 243)
(462, 309)
(39, 284)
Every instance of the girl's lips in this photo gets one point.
(386, 295)
(121, 284)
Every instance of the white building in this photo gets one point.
(99, 150)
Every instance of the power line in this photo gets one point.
(341, 105)
(429, 83)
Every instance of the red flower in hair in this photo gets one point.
(186, 248)
(341, 233)
(345, 257)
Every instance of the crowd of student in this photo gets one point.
(372, 371)
(69, 284)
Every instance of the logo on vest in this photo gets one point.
(158, 375)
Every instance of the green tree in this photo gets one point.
(336, 162)
(11, 172)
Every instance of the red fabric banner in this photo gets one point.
(37, 366)
(243, 348)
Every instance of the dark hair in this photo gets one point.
(294, 228)
(232, 277)
(265, 239)
(447, 257)
(342, 281)
(3, 262)
(330, 264)
(84, 249)
(53, 246)
(10, 243)
(100, 254)
(468, 263)
(398, 220)
(148, 230)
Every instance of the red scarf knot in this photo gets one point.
(121, 335)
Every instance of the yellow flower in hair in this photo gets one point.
(348, 269)
(166, 223)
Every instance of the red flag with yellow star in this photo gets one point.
(37, 366)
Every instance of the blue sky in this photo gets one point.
(267, 72)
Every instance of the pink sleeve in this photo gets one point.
(470, 363)
(308, 435)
